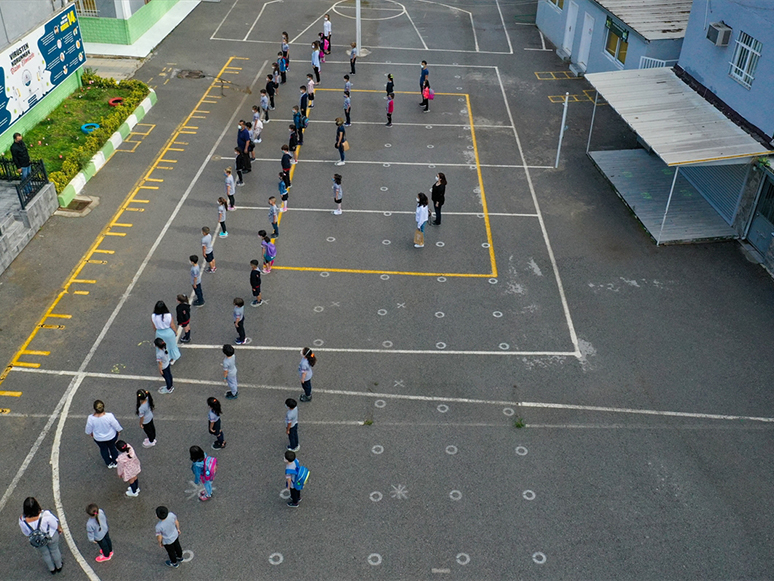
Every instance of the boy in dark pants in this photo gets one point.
(291, 424)
(291, 471)
(239, 164)
(168, 535)
(293, 142)
(196, 280)
(285, 162)
(183, 312)
(283, 67)
(270, 89)
(298, 121)
(239, 320)
(255, 283)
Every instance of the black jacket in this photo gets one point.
(21, 158)
(439, 194)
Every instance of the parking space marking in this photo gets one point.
(555, 75)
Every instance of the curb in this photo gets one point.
(103, 155)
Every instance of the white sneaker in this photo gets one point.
(419, 245)
(339, 163)
(337, 212)
(148, 444)
(163, 389)
(293, 161)
(132, 494)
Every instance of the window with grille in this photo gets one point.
(86, 8)
(745, 61)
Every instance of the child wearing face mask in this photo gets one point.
(327, 32)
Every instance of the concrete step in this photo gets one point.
(577, 70)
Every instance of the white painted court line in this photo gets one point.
(387, 212)
(407, 397)
(560, 286)
(505, 28)
(470, 14)
(412, 163)
(300, 34)
(428, 125)
(393, 351)
(212, 36)
(257, 18)
(411, 20)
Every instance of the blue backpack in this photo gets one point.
(302, 475)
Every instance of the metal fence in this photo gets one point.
(647, 62)
(28, 187)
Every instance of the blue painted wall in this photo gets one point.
(551, 21)
(708, 64)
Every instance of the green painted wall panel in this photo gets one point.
(119, 31)
(146, 17)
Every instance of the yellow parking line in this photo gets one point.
(122, 225)
(82, 281)
(10, 394)
(81, 292)
(25, 364)
(139, 201)
(55, 316)
(100, 251)
(115, 234)
(28, 352)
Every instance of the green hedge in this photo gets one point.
(78, 157)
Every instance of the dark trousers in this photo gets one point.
(240, 327)
(307, 385)
(231, 202)
(266, 114)
(239, 176)
(217, 432)
(150, 430)
(167, 373)
(271, 101)
(317, 74)
(106, 545)
(300, 135)
(295, 495)
(275, 228)
(286, 177)
(438, 213)
(425, 103)
(389, 119)
(199, 293)
(293, 436)
(284, 76)
(175, 551)
(223, 224)
(346, 114)
(352, 66)
(108, 450)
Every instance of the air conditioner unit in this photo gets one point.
(719, 34)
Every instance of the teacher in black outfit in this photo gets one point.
(438, 197)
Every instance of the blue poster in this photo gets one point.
(34, 66)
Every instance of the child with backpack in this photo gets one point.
(270, 89)
(213, 418)
(282, 65)
(283, 190)
(183, 312)
(204, 469)
(97, 532)
(269, 251)
(128, 467)
(295, 478)
(42, 529)
(390, 108)
(293, 143)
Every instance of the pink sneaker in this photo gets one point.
(102, 558)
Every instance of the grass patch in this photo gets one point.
(58, 139)
(519, 423)
(368, 422)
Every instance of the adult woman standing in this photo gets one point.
(316, 60)
(438, 196)
(104, 428)
(166, 330)
(43, 530)
(305, 372)
(421, 218)
(341, 139)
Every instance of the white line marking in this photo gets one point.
(505, 28)
(300, 34)
(382, 212)
(259, 17)
(399, 351)
(440, 570)
(383, 396)
(411, 20)
(212, 37)
(540, 49)
(542, 39)
(565, 306)
(80, 375)
(504, 166)
(470, 14)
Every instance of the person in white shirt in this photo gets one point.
(104, 428)
(421, 218)
(166, 330)
(327, 30)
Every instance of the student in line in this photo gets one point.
(283, 191)
(104, 429)
(145, 409)
(347, 108)
(222, 216)
(255, 283)
(352, 57)
(230, 371)
(316, 61)
(128, 468)
(207, 250)
(97, 532)
(239, 321)
(337, 194)
(166, 330)
(165, 366)
(274, 213)
(269, 251)
(204, 468)
(196, 280)
(308, 360)
(291, 424)
(183, 311)
(341, 139)
(215, 427)
(168, 536)
(390, 108)
(421, 219)
(42, 529)
(438, 196)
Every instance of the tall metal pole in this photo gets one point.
(358, 38)
(591, 128)
(561, 131)
(669, 201)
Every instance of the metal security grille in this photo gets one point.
(86, 8)
(748, 51)
(721, 185)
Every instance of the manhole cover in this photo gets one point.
(190, 74)
(78, 205)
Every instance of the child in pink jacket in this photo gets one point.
(128, 467)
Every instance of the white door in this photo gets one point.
(585, 45)
(569, 27)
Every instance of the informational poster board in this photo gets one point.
(36, 64)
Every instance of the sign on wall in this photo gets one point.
(35, 65)
(619, 31)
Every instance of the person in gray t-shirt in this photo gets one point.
(230, 371)
(168, 535)
(239, 320)
(291, 424)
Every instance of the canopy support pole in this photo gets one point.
(669, 200)
(593, 114)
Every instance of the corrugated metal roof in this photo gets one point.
(678, 124)
(652, 19)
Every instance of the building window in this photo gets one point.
(557, 3)
(86, 8)
(617, 46)
(745, 61)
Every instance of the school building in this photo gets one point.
(703, 171)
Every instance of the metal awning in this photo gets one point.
(679, 125)
(652, 19)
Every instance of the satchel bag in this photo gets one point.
(346, 146)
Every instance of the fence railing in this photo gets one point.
(647, 62)
(28, 187)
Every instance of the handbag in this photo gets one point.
(419, 236)
(346, 146)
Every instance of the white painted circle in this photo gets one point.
(285, 493)
(455, 495)
(504, 346)
(386, 243)
(441, 279)
(384, 189)
(376, 496)
(459, 88)
(457, 77)
(385, 276)
(508, 411)
(380, 403)
(479, 215)
(485, 245)
(439, 315)
(318, 342)
(471, 167)
(388, 213)
(461, 100)
(521, 450)
(440, 244)
(492, 281)
(463, 558)
(381, 312)
(430, 146)
(325, 274)
(497, 314)
(186, 559)
(319, 309)
(374, 559)
(431, 166)
(428, 126)
(466, 127)
(451, 450)
(388, 145)
(331, 239)
(388, 62)
(471, 147)
(377, 449)
(387, 344)
(443, 408)
(275, 558)
(528, 495)
(440, 345)
(539, 558)
(385, 165)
